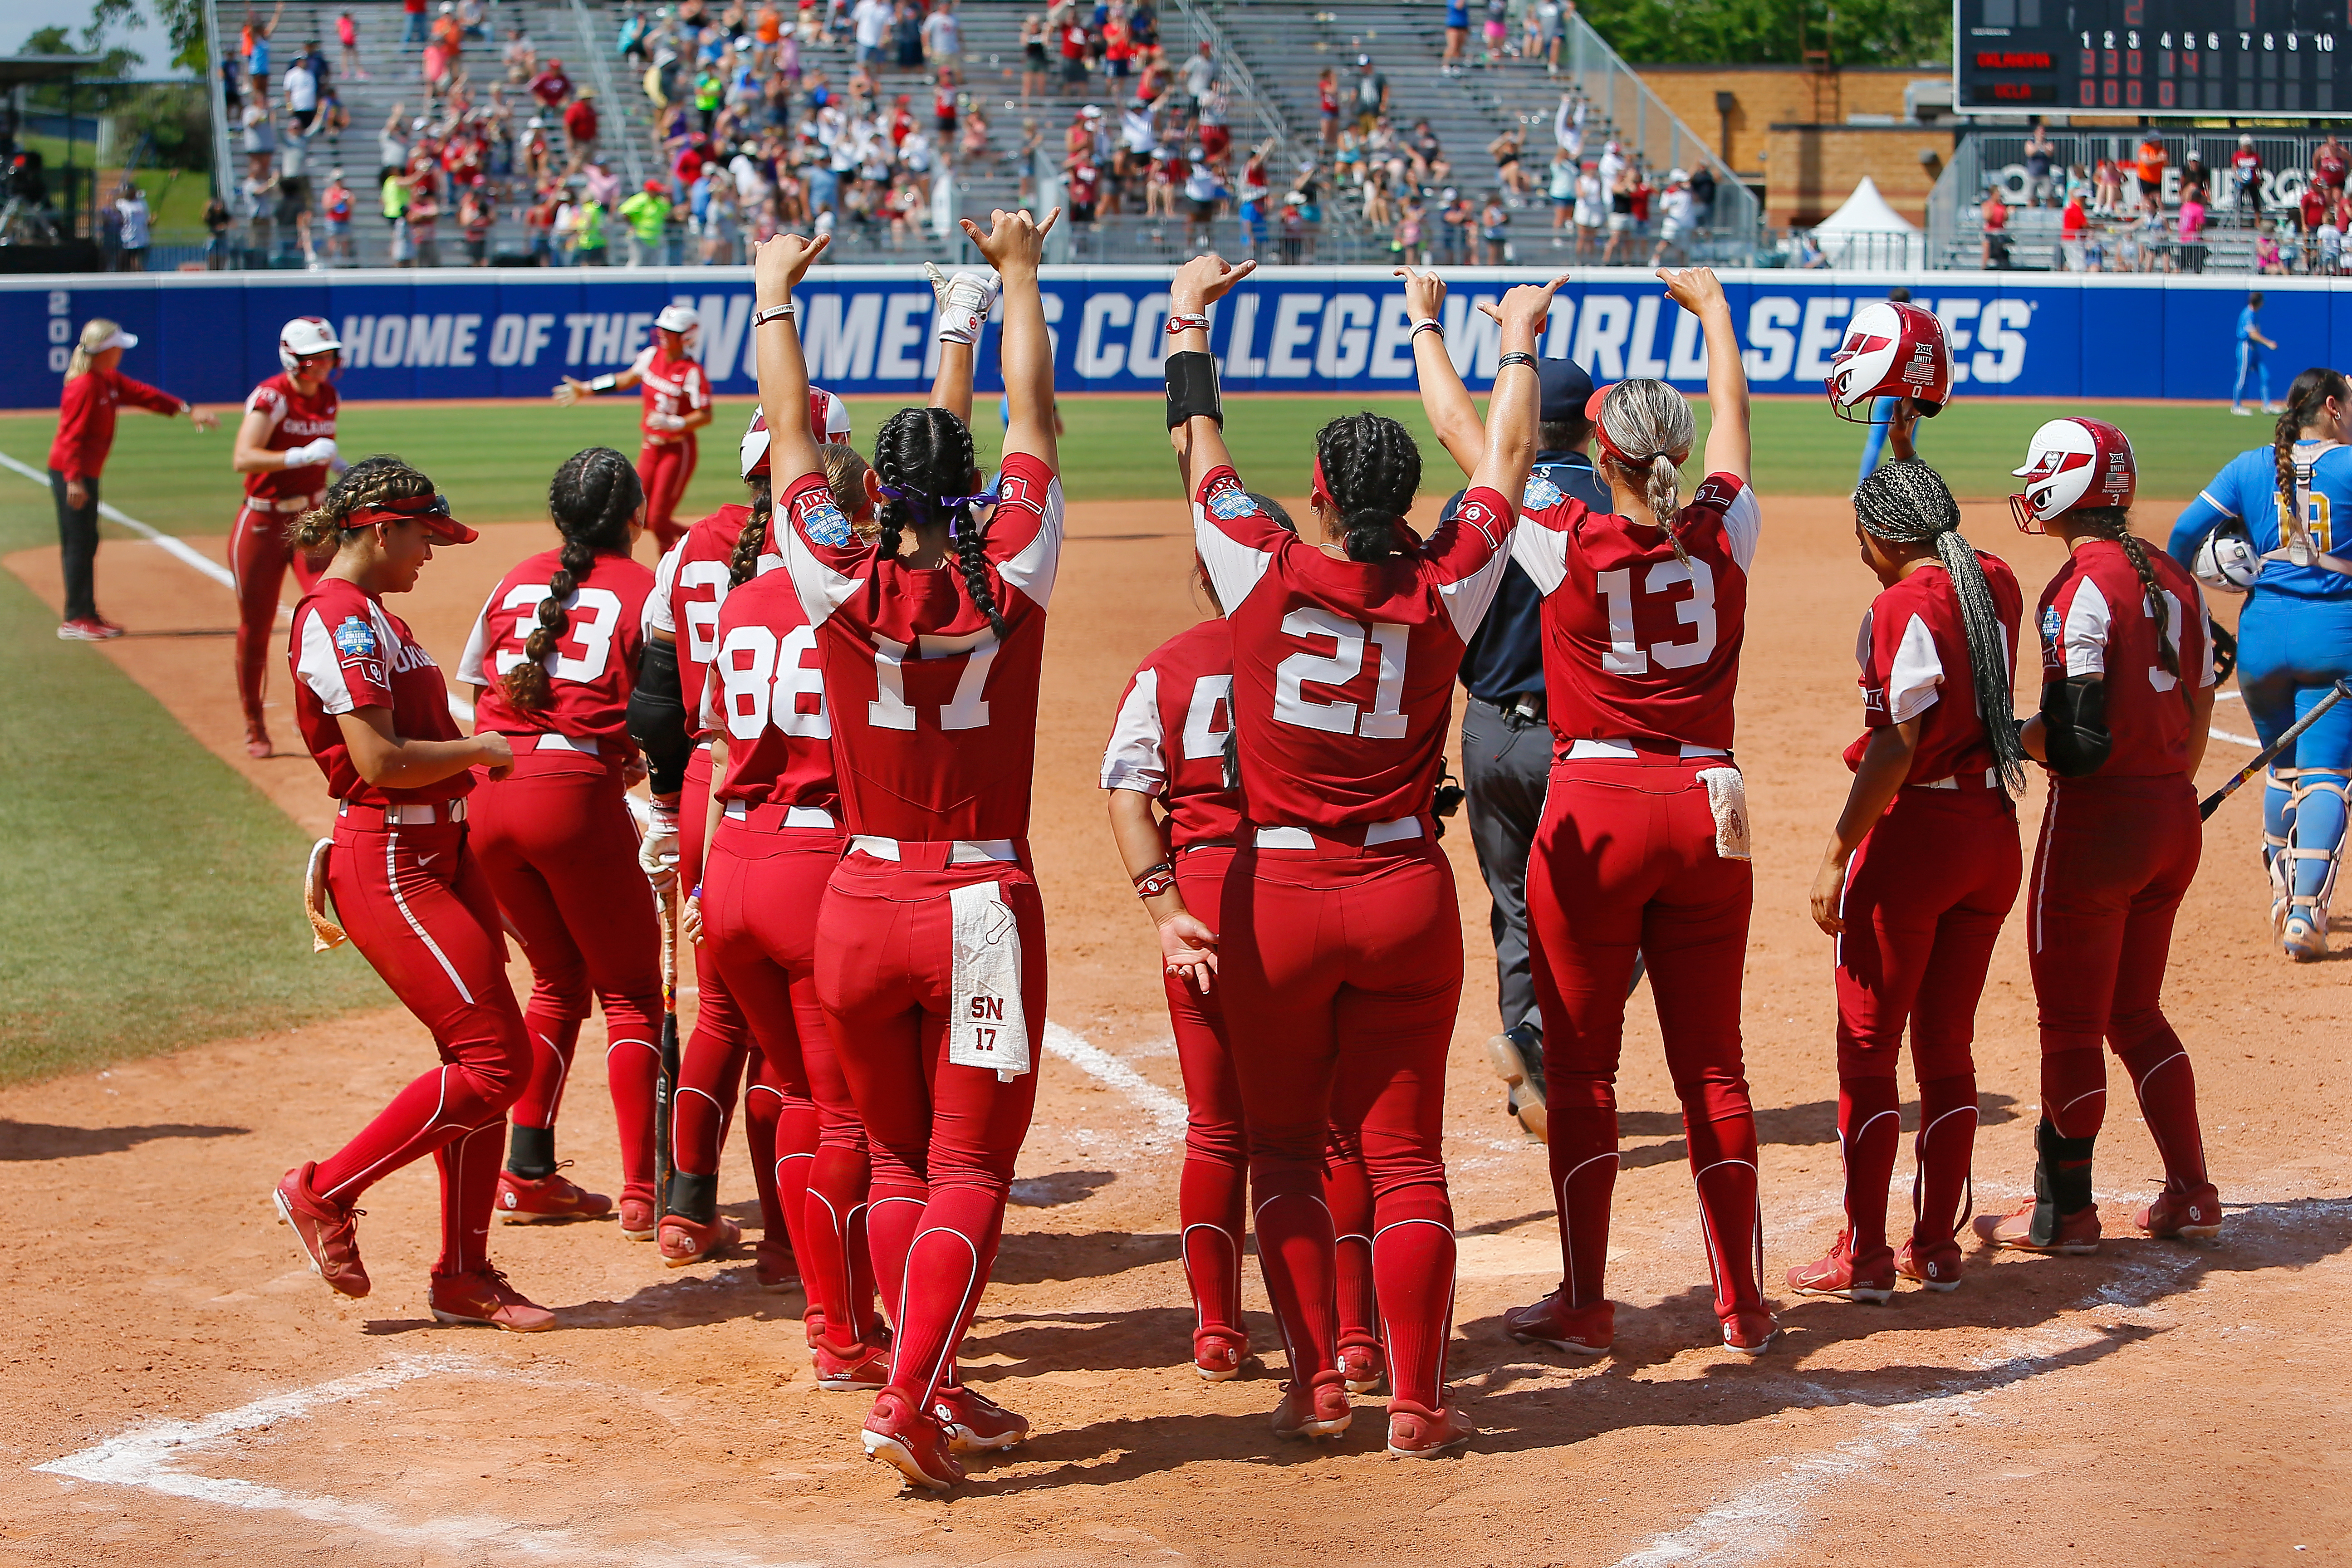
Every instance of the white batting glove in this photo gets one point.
(657, 849)
(311, 454)
(965, 301)
(665, 421)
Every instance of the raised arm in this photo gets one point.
(1200, 440)
(964, 302)
(1452, 412)
(777, 267)
(1697, 291)
(1518, 393)
(1013, 245)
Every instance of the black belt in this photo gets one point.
(1522, 711)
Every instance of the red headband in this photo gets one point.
(1322, 491)
(431, 511)
(1599, 433)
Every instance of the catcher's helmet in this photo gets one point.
(1891, 350)
(2228, 562)
(2072, 463)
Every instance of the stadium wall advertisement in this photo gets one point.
(458, 334)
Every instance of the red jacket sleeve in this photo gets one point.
(138, 392)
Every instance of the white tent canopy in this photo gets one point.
(1867, 233)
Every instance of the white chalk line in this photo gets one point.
(151, 1456)
(1167, 1112)
(1768, 1517)
(180, 551)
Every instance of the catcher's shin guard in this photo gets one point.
(2315, 836)
(2278, 827)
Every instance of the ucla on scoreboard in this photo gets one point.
(2153, 56)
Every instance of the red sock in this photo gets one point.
(1870, 1129)
(631, 1065)
(1212, 1207)
(947, 1270)
(2073, 1088)
(764, 1105)
(1413, 1256)
(469, 1182)
(795, 1153)
(1347, 1194)
(1723, 1165)
(2167, 1087)
(837, 1190)
(703, 1101)
(1941, 1193)
(862, 1282)
(442, 1104)
(893, 1216)
(1296, 1255)
(551, 1041)
(1583, 1140)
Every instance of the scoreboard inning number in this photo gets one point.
(2150, 57)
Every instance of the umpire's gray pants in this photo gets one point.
(1505, 770)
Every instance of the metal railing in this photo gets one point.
(598, 50)
(223, 169)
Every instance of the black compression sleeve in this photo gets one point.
(657, 718)
(2074, 725)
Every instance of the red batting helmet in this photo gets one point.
(1891, 350)
(2069, 464)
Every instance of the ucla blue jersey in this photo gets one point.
(2247, 488)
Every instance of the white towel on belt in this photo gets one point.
(1726, 797)
(986, 1027)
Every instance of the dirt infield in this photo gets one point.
(189, 1392)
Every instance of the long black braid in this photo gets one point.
(2115, 522)
(926, 456)
(592, 499)
(1907, 502)
(1371, 469)
(743, 565)
(2304, 403)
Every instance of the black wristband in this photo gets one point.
(1192, 388)
(1516, 356)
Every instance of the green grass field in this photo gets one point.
(144, 901)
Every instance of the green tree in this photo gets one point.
(1701, 32)
(48, 41)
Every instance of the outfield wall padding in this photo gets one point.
(511, 333)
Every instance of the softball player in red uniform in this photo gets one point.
(407, 889)
(2127, 698)
(931, 954)
(1921, 868)
(677, 395)
(1339, 944)
(550, 665)
(286, 451)
(1643, 849)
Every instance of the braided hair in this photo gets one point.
(844, 476)
(1646, 431)
(366, 483)
(594, 497)
(1371, 469)
(1907, 502)
(743, 565)
(2305, 401)
(1231, 752)
(926, 456)
(2114, 522)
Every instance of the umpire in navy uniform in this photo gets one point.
(1507, 741)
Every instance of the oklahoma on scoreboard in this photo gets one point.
(2150, 57)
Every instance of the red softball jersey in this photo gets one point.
(1169, 741)
(594, 666)
(349, 652)
(671, 388)
(1637, 646)
(1913, 656)
(934, 715)
(766, 694)
(294, 421)
(2096, 620)
(1343, 670)
(690, 585)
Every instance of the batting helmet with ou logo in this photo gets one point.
(304, 337)
(1891, 350)
(2069, 464)
(828, 421)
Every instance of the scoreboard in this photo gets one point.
(2153, 56)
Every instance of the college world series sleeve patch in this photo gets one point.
(1540, 494)
(986, 1026)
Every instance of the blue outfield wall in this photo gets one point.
(510, 333)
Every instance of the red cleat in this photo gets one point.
(774, 1265)
(2076, 1234)
(1363, 1366)
(1750, 1331)
(256, 741)
(1218, 1353)
(1417, 1432)
(88, 628)
(899, 1435)
(684, 1242)
(1316, 1407)
(637, 1220)
(1845, 1278)
(1582, 1330)
(861, 1371)
(2187, 1214)
(483, 1297)
(523, 1200)
(1934, 1264)
(974, 1421)
(329, 1234)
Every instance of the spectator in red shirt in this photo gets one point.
(2314, 208)
(94, 387)
(551, 86)
(579, 126)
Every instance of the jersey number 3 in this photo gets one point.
(1628, 656)
(1385, 720)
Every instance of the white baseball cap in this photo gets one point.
(115, 338)
(675, 317)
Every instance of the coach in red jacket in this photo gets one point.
(94, 387)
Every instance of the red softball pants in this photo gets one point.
(761, 890)
(1624, 864)
(665, 469)
(1924, 901)
(2115, 859)
(418, 905)
(1342, 973)
(258, 555)
(1212, 1193)
(780, 1121)
(942, 1137)
(561, 852)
